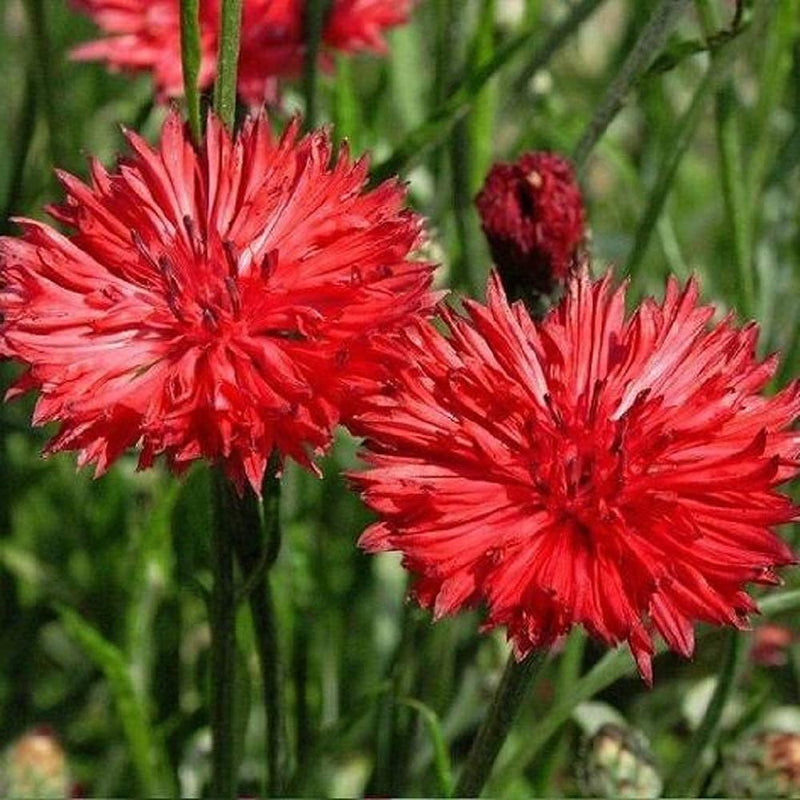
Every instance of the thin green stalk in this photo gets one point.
(780, 603)
(256, 554)
(647, 47)
(18, 156)
(569, 671)
(223, 640)
(780, 39)
(228, 62)
(687, 125)
(190, 63)
(576, 17)
(615, 664)
(48, 82)
(611, 667)
(734, 185)
(441, 755)
(514, 688)
(734, 191)
(481, 118)
(689, 773)
(316, 11)
(441, 121)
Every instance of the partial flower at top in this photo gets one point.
(144, 35)
(532, 214)
(209, 301)
(596, 469)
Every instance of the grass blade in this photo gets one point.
(145, 751)
(441, 757)
(687, 125)
(688, 774)
(439, 123)
(648, 45)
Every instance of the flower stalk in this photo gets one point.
(316, 12)
(647, 47)
(227, 62)
(257, 549)
(514, 688)
(190, 63)
(687, 776)
(223, 640)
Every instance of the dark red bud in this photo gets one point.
(532, 214)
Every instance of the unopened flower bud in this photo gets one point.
(617, 763)
(766, 764)
(532, 214)
(36, 766)
(771, 644)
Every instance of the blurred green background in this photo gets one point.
(102, 620)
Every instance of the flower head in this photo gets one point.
(208, 300)
(592, 469)
(532, 214)
(144, 35)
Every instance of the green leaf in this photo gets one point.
(145, 750)
(682, 137)
(686, 778)
(441, 121)
(441, 755)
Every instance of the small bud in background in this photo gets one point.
(532, 214)
(771, 645)
(617, 763)
(36, 766)
(766, 764)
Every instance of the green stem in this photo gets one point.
(316, 12)
(18, 156)
(576, 17)
(223, 640)
(615, 664)
(228, 62)
(190, 63)
(256, 557)
(569, 671)
(682, 137)
(511, 694)
(734, 185)
(734, 191)
(780, 602)
(440, 122)
(48, 81)
(688, 774)
(647, 47)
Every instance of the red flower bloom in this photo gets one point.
(144, 35)
(208, 301)
(532, 214)
(617, 473)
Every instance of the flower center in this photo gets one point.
(583, 473)
(204, 299)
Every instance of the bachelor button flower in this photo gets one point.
(532, 214)
(144, 35)
(592, 469)
(208, 301)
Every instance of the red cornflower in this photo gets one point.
(591, 469)
(532, 214)
(209, 300)
(144, 35)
